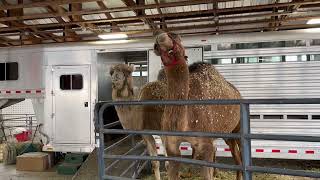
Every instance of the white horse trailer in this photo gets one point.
(65, 82)
(64, 85)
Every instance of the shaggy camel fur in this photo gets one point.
(138, 117)
(234, 144)
(205, 82)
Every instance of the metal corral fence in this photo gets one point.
(245, 137)
(11, 124)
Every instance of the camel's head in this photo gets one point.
(121, 75)
(169, 47)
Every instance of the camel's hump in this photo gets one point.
(200, 66)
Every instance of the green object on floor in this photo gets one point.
(68, 168)
(75, 158)
(29, 148)
(71, 163)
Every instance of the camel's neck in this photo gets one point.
(177, 89)
(178, 82)
(123, 94)
(125, 113)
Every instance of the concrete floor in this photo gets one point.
(9, 172)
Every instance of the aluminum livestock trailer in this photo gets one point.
(65, 82)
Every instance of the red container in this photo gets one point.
(24, 136)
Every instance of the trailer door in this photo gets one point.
(71, 104)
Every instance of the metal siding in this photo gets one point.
(71, 57)
(281, 80)
(278, 80)
(29, 75)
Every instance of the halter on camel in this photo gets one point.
(171, 54)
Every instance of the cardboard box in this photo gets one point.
(33, 161)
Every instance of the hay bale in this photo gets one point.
(9, 154)
(13, 149)
(1, 152)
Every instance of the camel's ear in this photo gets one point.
(131, 68)
(177, 38)
(111, 71)
(156, 49)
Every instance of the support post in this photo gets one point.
(101, 142)
(245, 141)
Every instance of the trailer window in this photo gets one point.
(258, 45)
(12, 71)
(2, 71)
(65, 82)
(9, 71)
(71, 82)
(77, 81)
(315, 42)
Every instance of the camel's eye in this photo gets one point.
(117, 77)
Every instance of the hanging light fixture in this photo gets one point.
(113, 36)
(314, 21)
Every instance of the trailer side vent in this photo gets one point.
(273, 116)
(315, 116)
(254, 116)
(297, 117)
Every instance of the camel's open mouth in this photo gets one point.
(168, 46)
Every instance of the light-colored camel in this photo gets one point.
(203, 81)
(138, 117)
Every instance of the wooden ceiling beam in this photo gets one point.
(43, 3)
(206, 26)
(115, 27)
(164, 25)
(292, 8)
(70, 36)
(167, 16)
(78, 18)
(151, 6)
(53, 9)
(221, 31)
(139, 12)
(129, 19)
(274, 10)
(25, 37)
(27, 34)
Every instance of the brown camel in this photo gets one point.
(203, 81)
(138, 117)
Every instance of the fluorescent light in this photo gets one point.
(314, 21)
(312, 30)
(120, 41)
(113, 36)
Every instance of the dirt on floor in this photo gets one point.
(190, 172)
